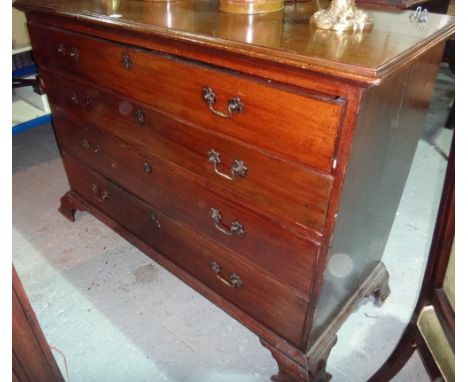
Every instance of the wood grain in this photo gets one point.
(270, 302)
(187, 145)
(268, 111)
(32, 358)
(367, 59)
(264, 243)
(328, 130)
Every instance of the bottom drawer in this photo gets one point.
(275, 305)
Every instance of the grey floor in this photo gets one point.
(117, 315)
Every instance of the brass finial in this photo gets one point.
(342, 15)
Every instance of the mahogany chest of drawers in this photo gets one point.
(242, 152)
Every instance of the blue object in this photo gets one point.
(27, 70)
(31, 124)
(21, 127)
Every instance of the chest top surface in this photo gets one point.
(283, 37)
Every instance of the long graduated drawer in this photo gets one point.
(297, 124)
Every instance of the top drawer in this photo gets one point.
(294, 124)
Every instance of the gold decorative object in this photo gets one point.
(251, 7)
(342, 15)
(262, 29)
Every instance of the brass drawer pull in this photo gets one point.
(98, 149)
(101, 195)
(155, 219)
(235, 229)
(74, 98)
(126, 61)
(87, 104)
(85, 143)
(74, 54)
(235, 105)
(147, 168)
(234, 280)
(61, 49)
(238, 169)
(140, 116)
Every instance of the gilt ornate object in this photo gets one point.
(342, 15)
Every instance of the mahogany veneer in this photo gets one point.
(187, 146)
(242, 155)
(32, 359)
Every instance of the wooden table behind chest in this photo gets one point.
(234, 159)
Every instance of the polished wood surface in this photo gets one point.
(367, 57)
(31, 356)
(267, 110)
(191, 203)
(267, 300)
(134, 123)
(387, 132)
(72, 202)
(187, 145)
(433, 6)
(392, 4)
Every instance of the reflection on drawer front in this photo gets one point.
(253, 236)
(272, 303)
(288, 122)
(255, 176)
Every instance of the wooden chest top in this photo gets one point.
(285, 38)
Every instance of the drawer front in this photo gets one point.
(295, 124)
(258, 178)
(273, 304)
(286, 256)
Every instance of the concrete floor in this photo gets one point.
(118, 316)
